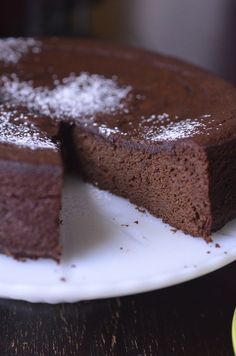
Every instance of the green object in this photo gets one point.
(234, 331)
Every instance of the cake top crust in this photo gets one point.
(130, 96)
(74, 98)
(28, 137)
(19, 129)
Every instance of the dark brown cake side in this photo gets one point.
(30, 189)
(29, 209)
(191, 189)
(170, 184)
(222, 182)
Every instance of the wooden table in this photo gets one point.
(191, 319)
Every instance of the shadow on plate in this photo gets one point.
(83, 229)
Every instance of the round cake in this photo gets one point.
(153, 129)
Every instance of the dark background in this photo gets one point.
(193, 318)
(200, 31)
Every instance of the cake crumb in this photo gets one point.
(225, 252)
(125, 225)
(217, 245)
(208, 251)
(136, 222)
(63, 279)
(121, 248)
(73, 266)
(141, 210)
(174, 230)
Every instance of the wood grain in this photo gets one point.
(189, 319)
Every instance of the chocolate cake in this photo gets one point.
(31, 177)
(153, 129)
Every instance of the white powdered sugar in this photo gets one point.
(160, 117)
(178, 129)
(108, 131)
(74, 97)
(17, 131)
(13, 49)
(182, 129)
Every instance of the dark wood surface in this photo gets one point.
(191, 319)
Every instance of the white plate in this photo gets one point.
(107, 253)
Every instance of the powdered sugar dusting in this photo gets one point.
(13, 49)
(171, 130)
(108, 131)
(16, 130)
(177, 130)
(74, 97)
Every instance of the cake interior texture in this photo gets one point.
(30, 216)
(152, 129)
(31, 176)
(171, 184)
